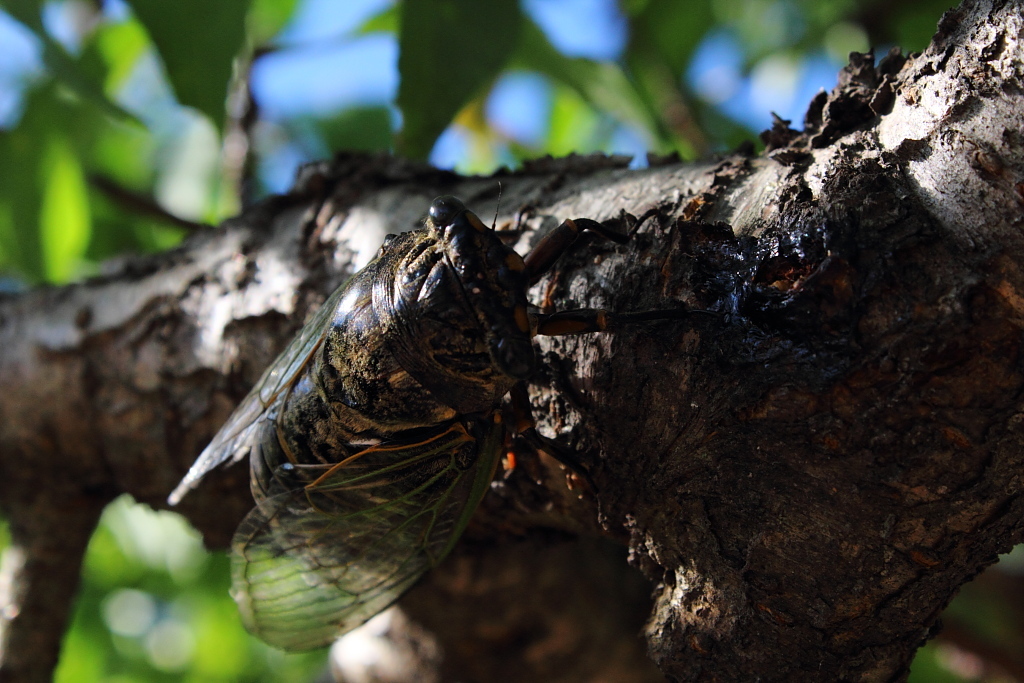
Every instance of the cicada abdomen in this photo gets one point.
(330, 546)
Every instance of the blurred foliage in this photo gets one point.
(197, 62)
(144, 94)
(448, 53)
(125, 134)
(153, 606)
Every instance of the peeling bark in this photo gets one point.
(806, 478)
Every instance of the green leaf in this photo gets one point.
(383, 22)
(81, 658)
(670, 30)
(726, 133)
(5, 534)
(912, 27)
(64, 218)
(268, 17)
(85, 86)
(449, 52)
(20, 251)
(46, 214)
(927, 668)
(575, 126)
(198, 41)
(359, 128)
(20, 171)
(27, 12)
(120, 45)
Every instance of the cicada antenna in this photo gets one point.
(497, 208)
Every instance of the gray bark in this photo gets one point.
(805, 479)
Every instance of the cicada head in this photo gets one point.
(493, 277)
(459, 297)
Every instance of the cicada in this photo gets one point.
(374, 435)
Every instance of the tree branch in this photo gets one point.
(38, 578)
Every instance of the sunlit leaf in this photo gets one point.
(121, 44)
(574, 124)
(106, 564)
(222, 641)
(383, 22)
(64, 221)
(25, 173)
(82, 657)
(268, 17)
(198, 41)
(449, 52)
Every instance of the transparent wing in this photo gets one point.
(310, 563)
(235, 438)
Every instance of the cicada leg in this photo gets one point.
(580, 321)
(540, 259)
(555, 243)
(526, 428)
(584, 320)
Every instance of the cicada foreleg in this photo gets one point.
(557, 242)
(544, 255)
(526, 428)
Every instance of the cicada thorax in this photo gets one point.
(455, 305)
(434, 330)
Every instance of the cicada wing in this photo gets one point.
(237, 435)
(314, 562)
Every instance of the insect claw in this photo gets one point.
(559, 453)
(649, 213)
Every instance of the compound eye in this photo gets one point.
(444, 209)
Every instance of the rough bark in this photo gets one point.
(805, 478)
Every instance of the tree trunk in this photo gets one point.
(805, 477)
